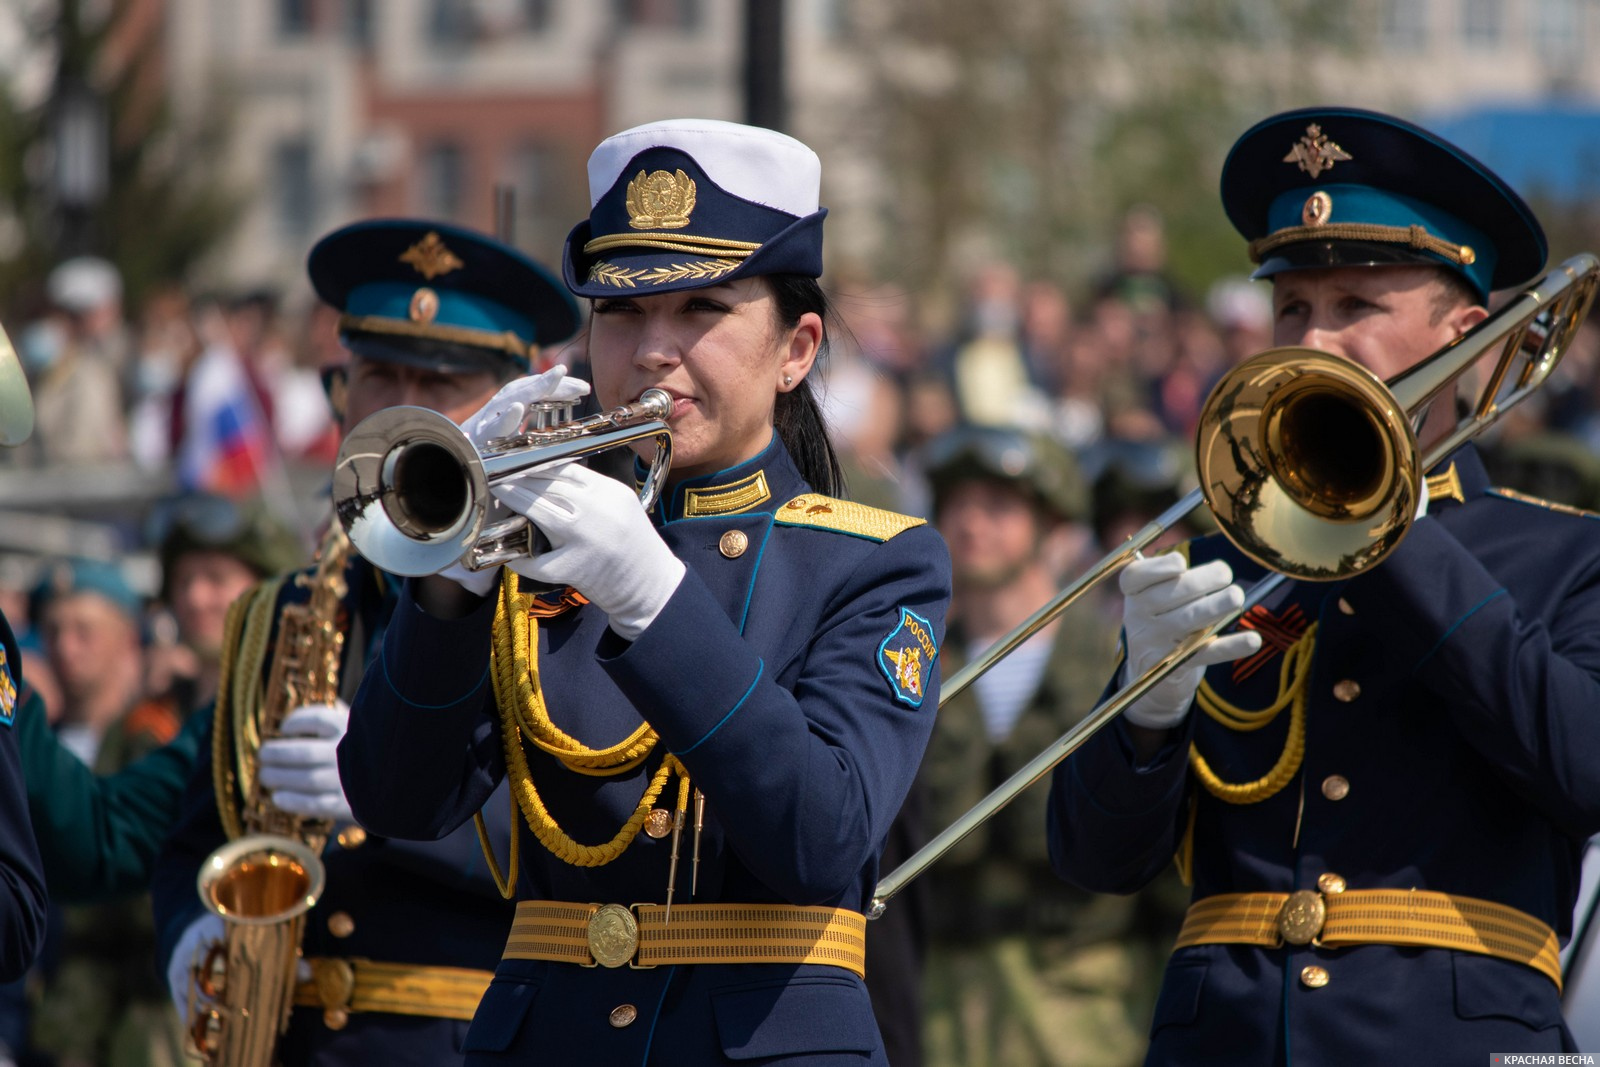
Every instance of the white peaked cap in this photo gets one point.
(752, 163)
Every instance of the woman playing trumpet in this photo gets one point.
(719, 705)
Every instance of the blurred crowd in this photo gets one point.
(1087, 401)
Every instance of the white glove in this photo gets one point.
(1422, 499)
(199, 935)
(301, 768)
(503, 415)
(601, 543)
(504, 411)
(1164, 601)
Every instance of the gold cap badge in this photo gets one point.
(660, 201)
(1318, 208)
(1314, 153)
(424, 305)
(431, 258)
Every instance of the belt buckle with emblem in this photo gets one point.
(1301, 917)
(613, 936)
(335, 981)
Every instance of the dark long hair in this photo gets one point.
(797, 417)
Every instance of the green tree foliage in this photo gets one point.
(1026, 129)
(164, 205)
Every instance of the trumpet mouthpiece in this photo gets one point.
(655, 403)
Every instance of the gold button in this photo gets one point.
(336, 1018)
(352, 837)
(1347, 690)
(733, 544)
(658, 823)
(1330, 883)
(623, 1015)
(1336, 787)
(1314, 977)
(340, 924)
(1345, 608)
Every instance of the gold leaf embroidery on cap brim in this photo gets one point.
(704, 270)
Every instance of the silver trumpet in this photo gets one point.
(413, 492)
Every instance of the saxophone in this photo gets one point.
(270, 873)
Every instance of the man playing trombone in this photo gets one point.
(1380, 784)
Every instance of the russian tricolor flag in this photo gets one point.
(227, 444)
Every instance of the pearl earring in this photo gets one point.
(788, 379)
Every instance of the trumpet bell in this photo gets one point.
(1309, 464)
(405, 488)
(413, 492)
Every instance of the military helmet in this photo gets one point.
(989, 453)
(205, 522)
(1142, 478)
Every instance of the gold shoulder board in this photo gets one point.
(1540, 502)
(844, 516)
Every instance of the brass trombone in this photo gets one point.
(1312, 468)
(413, 492)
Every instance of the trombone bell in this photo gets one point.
(1308, 463)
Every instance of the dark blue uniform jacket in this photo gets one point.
(764, 674)
(426, 903)
(22, 893)
(1470, 742)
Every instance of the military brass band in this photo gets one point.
(535, 763)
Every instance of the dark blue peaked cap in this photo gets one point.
(429, 294)
(688, 203)
(1339, 186)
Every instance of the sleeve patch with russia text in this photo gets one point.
(907, 656)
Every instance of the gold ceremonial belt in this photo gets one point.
(341, 986)
(611, 935)
(1373, 917)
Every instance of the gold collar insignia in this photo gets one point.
(1314, 153)
(739, 496)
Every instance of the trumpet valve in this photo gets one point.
(547, 414)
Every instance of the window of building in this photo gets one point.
(1482, 21)
(442, 177)
(294, 18)
(1556, 29)
(541, 206)
(294, 206)
(537, 15)
(449, 21)
(836, 19)
(466, 21)
(1403, 25)
(358, 23)
(660, 14)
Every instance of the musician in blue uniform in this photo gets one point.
(22, 889)
(399, 948)
(724, 701)
(1380, 786)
